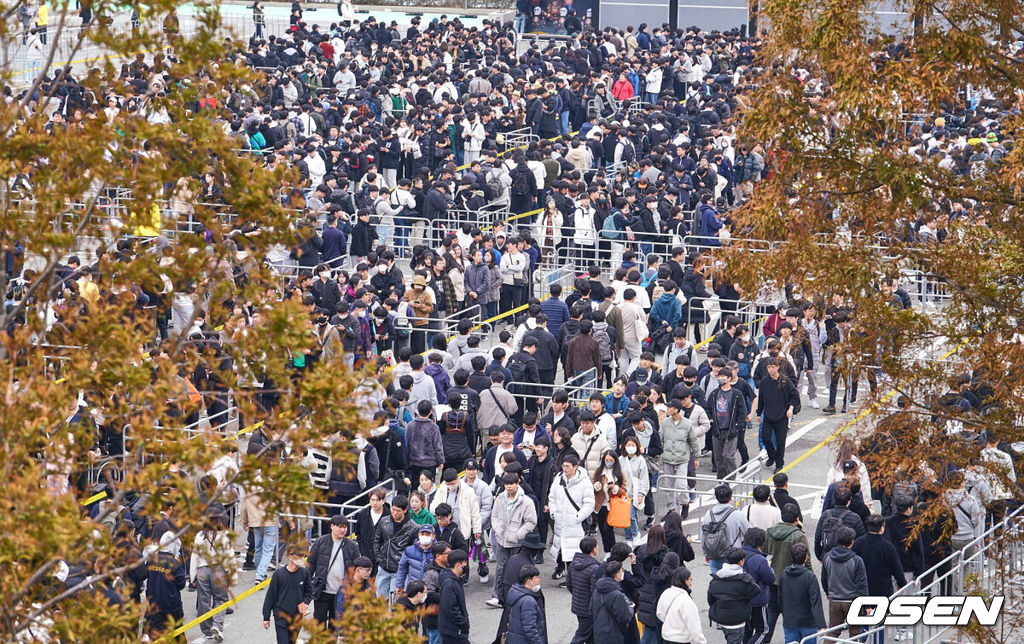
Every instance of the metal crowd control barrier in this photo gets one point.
(520, 139)
(320, 511)
(742, 490)
(637, 106)
(700, 242)
(989, 565)
(528, 40)
(410, 232)
(579, 389)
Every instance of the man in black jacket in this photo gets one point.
(165, 577)
(584, 570)
(363, 237)
(729, 594)
(548, 351)
(329, 559)
(881, 560)
(777, 401)
(393, 535)
(612, 610)
(800, 598)
(833, 520)
(781, 494)
(898, 530)
(452, 617)
(528, 372)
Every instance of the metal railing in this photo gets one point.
(520, 139)
(321, 512)
(988, 565)
(742, 490)
(579, 389)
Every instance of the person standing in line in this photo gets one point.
(729, 595)
(392, 536)
(165, 577)
(329, 558)
(613, 613)
(728, 419)
(527, 622)
(779, 541)
(42, 20)
(679, 615)
(584, 571)
(844, 579)
(512, 518)
(288, 597)
(453, 617)
(800, 597)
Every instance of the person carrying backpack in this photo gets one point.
(826, 535)
(722, 529)
(524, 187)
(606, 338)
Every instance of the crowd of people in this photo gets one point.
(554, 437)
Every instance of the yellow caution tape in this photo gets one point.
(250, 428)
(99, 496)
(210, 613)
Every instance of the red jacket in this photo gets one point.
(622, 89)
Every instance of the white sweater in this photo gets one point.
(680, 617)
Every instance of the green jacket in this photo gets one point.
(780, 539)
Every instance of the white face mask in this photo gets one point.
(360, 442)
(426, 540)
(631, 449)
(382, 269)
(536, 588)
(609, 464)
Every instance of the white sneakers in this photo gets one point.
(493, 602)
(814, 404)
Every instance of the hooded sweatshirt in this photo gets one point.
(843, 575)
(800, 599)
(729, 595)
(423, 388)
(440, 378)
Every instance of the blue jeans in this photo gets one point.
(520, 26)
(385, 582)
(581, 377)
(716, 565)
(650, 97)
(563, 122)
(265, 538)
(797, 634)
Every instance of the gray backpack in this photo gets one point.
(713, 536)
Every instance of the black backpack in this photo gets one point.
(831, 522)
(519, 374)
(521, 183)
